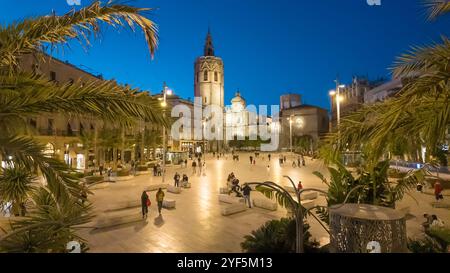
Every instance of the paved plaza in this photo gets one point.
(196, 225)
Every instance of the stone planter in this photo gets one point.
(354, 227)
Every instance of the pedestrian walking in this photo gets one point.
(185, 163)
(176, 179)
(194, 167)
(160, 199)
(438, 191)
(251, 159)
(246, 192)
(269, 156)
(145, 203)
(204, 168)
(300, 186)
(100, 168)
(299, 162)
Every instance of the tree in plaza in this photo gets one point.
(304, 143)
(49, 227)
(419, 113)
(149, 138)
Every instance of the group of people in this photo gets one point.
(244, 191)
(146, 203)
(431, 221)
(157, 170)
(201, 166)
(177, 178)
(300, 162)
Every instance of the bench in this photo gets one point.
(233, 208)
(120, 178)
(156, 187)
(308, 204)
(441, 205)
(169, 203)
(290, 189)
(173, 189)
(265, 203)
(187, 185)
(224, 190)
(123, 205)
(230, 199)
(309, 195)
(115, 219)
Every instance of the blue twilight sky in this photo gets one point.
(269, 47)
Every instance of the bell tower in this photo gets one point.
(209, 75)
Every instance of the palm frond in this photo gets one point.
(31, 95)
(25, 37)
(437, 8)
(27, 152)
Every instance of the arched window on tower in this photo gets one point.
(216, 76)
(205, 75)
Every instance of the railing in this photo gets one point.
(64, 133)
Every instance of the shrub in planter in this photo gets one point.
(77, 174)
(142, 168)
(277, 236)
(425, 245)
(123, 173)
(93, 179)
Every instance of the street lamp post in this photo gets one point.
(337, 96)
(166, 92)
(290, 132)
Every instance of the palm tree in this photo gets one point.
(23, 95)
(16, 184)
(420, 111)
(54, 222)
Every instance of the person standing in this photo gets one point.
(204, 168)
(300, 186)
(269, 156)
(194, 167)
(176, 179)
(185, 163)
(100, 168)
(299, 162)
(160, 199)
(145, 203)
(251, 159)
(246, 192)
(438, 191)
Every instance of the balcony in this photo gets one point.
(57, 132)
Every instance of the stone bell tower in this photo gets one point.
(209, 78)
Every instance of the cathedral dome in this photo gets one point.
(238, 99)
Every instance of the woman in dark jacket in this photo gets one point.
(144, 204)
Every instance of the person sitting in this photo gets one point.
(436, 223)
(236, 188)
(428, 221)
